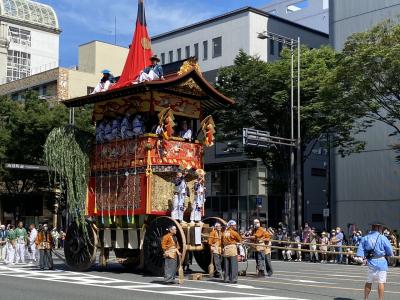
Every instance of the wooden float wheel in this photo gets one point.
(80, 251)
(153, 253)
(203, 257)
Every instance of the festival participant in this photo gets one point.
(126, 127)
(324, 241)
(116, 128)
(21, 236)
(185, 132)
(152, 72)
(3, 242)
(138, 127)
(100, 128)
(199, 200)
(105, 82)
(44, 242)
(11, 245)
(267, 240)
(215, 242)
(375, 247)
(229, 240)
(257, 237)
(171, 248)
(108, 130)
(32, 246)
(180, 195)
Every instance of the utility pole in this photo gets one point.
(292, 43)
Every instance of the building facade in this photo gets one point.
(365, 185)
(234, 181)
(65, 83)
(311, 13)
(29, 39)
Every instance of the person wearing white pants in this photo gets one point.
(21, 237)
(199, 191)
(10, 246)
(32, 244)
(179, 196)
(3, 242)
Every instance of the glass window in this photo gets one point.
(179, 53)
(187, 51)
(171, 56)
(163, 58)
(217, 47)
(205, 50)
(196, 51)
(18, 65)
(272, 47)
(19, 36)
(280, 47)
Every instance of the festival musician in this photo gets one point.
(44, 242)
(171, 248)
(152, 72)
(105, 83)
(180, 195)
(199, 200)
(257, 237)
(215, 242)
(230, 239)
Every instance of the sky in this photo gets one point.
(82, 21)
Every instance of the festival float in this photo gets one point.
(120, 191)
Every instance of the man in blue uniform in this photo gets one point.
(374, 247)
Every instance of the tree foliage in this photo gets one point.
(24, 128)
(262, 93)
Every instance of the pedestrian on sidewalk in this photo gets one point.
(44, 243)
(21, 237)
(374, 247)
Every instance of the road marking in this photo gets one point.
(105, 282)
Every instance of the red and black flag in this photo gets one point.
(139, 52)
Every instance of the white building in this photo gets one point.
(310, 13)
(217, 41)
(29, 39)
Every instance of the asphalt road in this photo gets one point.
(291, 281)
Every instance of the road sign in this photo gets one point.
(325, 212)
(26, 167)
(259, 201)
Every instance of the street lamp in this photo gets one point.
(292, 43)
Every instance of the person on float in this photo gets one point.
(105, 82)
(116, 128)
(180, 194)
(100, 131)
(138, 127)
(152, 72)
(215, 242)
(185, 132)
(200, 199)
(170, 246)
(21, 236)
(230, 239)
(257, 237)
(108, 130)
(375, 247)
(32, 246)
(44, 242)
(126, 127)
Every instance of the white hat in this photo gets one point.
(231, 223)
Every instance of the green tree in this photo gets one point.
(25, 127)
(262, 93)
(367, 76)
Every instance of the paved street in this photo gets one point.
(291, 281)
